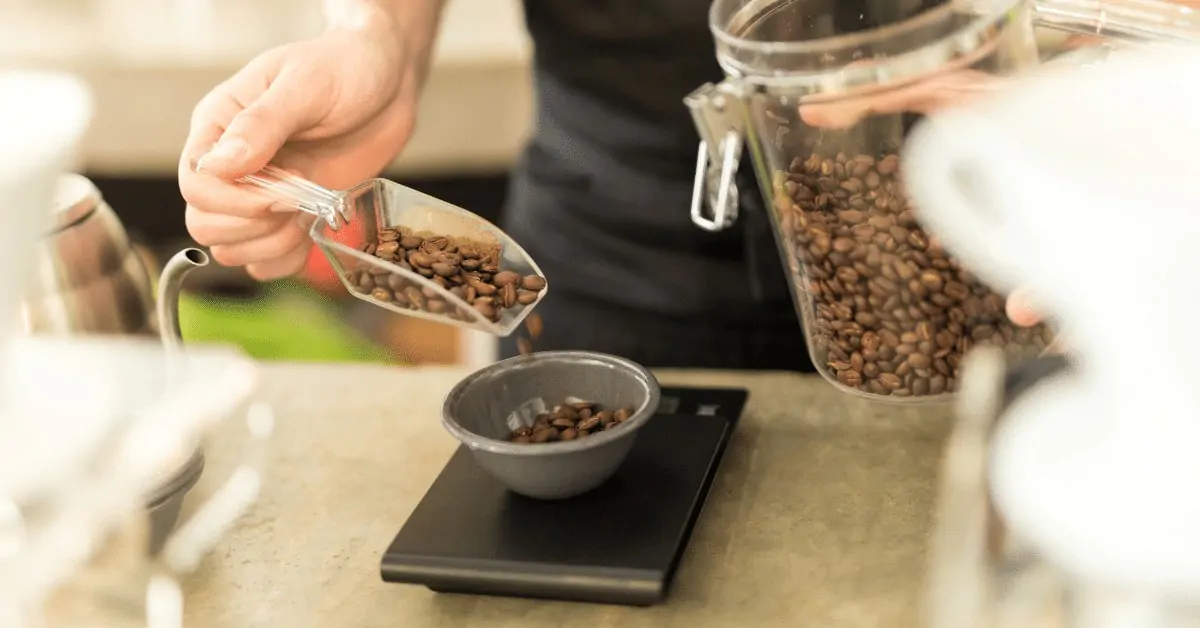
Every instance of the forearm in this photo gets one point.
(414, 24)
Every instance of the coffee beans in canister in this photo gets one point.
(463, 268)
(570, 421)
(890, 312)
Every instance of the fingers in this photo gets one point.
(256, 132)
(275, 245)
(204, 191)
(235, 131)
(290, 264)
(924, 97)
(210, 229)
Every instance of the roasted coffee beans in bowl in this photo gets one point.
(555, 424)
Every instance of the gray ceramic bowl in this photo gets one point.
(166, 502)
(477, 412)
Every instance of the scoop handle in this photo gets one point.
(296, 193)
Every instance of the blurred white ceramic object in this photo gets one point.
(42, 118)
(1078, 185)
(87, 439)
(86, 424)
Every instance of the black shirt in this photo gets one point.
(601, 198)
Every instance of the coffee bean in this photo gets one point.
(889, 311)
(533, 283)
(508, 296)
(468, 270)
(481, 287)
(570, 421)
(485, 308)
(590, 423)
(533, 324)
(505, 278)
(919, 360)
(544, 435)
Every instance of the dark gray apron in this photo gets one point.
(601, 195)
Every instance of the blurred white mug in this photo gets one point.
(1080, 186)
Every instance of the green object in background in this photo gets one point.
(286, 321)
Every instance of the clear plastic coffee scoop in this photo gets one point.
(412, 253)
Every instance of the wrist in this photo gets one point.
(408, 27)
(359, 16)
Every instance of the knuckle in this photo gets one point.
(198, 226)
(207, 111)
(251, 116)
(294, 238)
(191, 188)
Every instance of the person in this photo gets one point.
(599, 197)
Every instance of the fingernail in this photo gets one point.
(226, 151)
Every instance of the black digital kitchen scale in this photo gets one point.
(618, 544)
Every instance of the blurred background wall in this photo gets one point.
(150, 61)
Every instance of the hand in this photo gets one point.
(335, 109)
(932, 94)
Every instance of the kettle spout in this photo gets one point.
(170, 283)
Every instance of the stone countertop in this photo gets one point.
(819, 516)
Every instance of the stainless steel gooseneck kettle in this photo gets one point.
(88, 279)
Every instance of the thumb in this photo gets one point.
(257, 132)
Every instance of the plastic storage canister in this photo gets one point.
(822, 93)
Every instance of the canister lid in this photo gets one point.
(75, 197)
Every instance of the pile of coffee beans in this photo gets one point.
(889, 311)
(570, 421)
(468, 270)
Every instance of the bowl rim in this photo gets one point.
(180, 481)
(477, 442)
